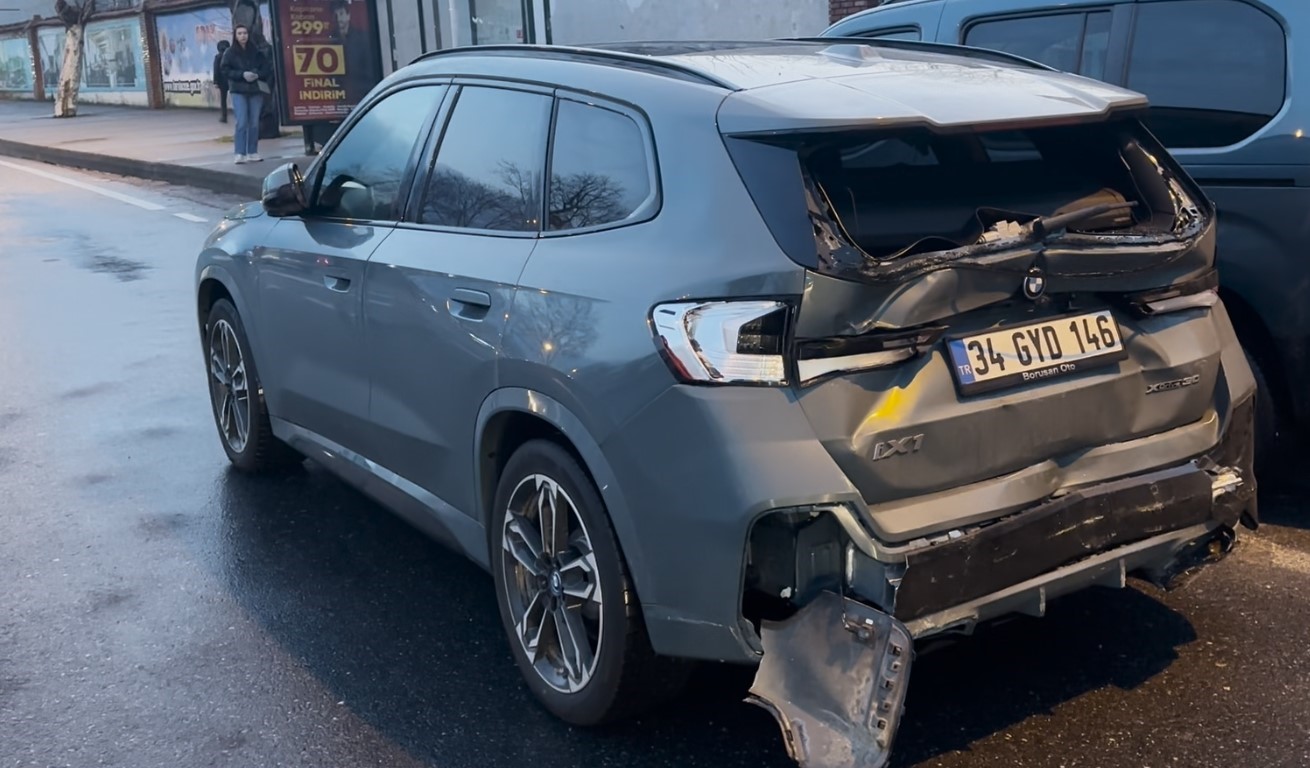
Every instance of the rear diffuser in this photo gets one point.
(835, 675)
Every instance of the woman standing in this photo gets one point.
(248, 74)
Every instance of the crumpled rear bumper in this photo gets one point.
(835, 673)
(1163, 513)
(1159, 525)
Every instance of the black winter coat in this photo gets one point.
(238, 61)
(220, 80)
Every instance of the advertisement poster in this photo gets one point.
(112, 59)
(330, 58)
(497, 22)
(50, 45)
(188, 43)
(15, 64)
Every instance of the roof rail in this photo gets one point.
(650, 64)
(951, 48)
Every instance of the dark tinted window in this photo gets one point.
(895, 33)
(488, 173)
(1214, 70)
(599, 172)
(1096, 44)
(361, 178)
(1071, 42)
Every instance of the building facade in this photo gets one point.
(159, 53)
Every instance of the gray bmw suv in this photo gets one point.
(787, 353)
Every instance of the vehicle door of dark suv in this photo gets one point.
(438, 292)
(1218, 75)
(311, 268)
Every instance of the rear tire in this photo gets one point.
(1269, 437)
(578, 575)
(236, 396)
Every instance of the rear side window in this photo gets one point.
(489, 168)
(1214, 70)
(1071, 42)
(600, 170)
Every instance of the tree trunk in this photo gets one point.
(70, 75)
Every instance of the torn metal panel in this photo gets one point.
(835, 676)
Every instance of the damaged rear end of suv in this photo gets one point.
(1011, 343)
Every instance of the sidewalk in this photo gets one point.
(179, 146)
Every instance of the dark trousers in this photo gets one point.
(222, 103)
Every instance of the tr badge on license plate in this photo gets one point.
(1023, 354)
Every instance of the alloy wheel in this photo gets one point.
(552, 583)
(228, 386)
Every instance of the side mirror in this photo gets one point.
(284, 192)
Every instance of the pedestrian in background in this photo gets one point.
(220, 80)
(248, 74)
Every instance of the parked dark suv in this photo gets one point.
(778, 353)
(1221, 84)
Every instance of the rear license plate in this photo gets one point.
(1026, 354)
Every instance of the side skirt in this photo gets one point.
(421, 508)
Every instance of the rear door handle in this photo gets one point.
(336, 283)
(470, 304)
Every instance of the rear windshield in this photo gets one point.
(892, 196)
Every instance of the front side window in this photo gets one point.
(599, 170)
(1214, 70)
(362, 176)
(489, 167)
(1070, 42)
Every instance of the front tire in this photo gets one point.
(237, 396)
(566, 600)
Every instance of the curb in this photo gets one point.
(205, 178)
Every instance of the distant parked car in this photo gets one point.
(1229, 101)
(777, 353)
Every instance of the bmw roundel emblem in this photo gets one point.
(1034, 286)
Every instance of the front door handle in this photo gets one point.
(336, 283)
(472, 298)
(470, 304)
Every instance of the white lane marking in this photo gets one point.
(138, 202)
(190, 217)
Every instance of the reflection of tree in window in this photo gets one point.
(362, 176)
(599, 173)
(488, 173)
(458, 200)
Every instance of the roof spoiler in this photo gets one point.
(912, 45)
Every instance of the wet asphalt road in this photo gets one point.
(158, 610)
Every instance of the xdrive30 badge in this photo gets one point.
(1165, 386)
(900, 446)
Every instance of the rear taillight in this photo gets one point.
(817, 358)
(1199, 293)
(725, 342)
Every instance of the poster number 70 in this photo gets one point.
(315, 60)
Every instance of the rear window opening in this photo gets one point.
(914, 192)
(893, 195)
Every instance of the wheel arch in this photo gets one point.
(214, 283)
(510, 417)
(1254, 334)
